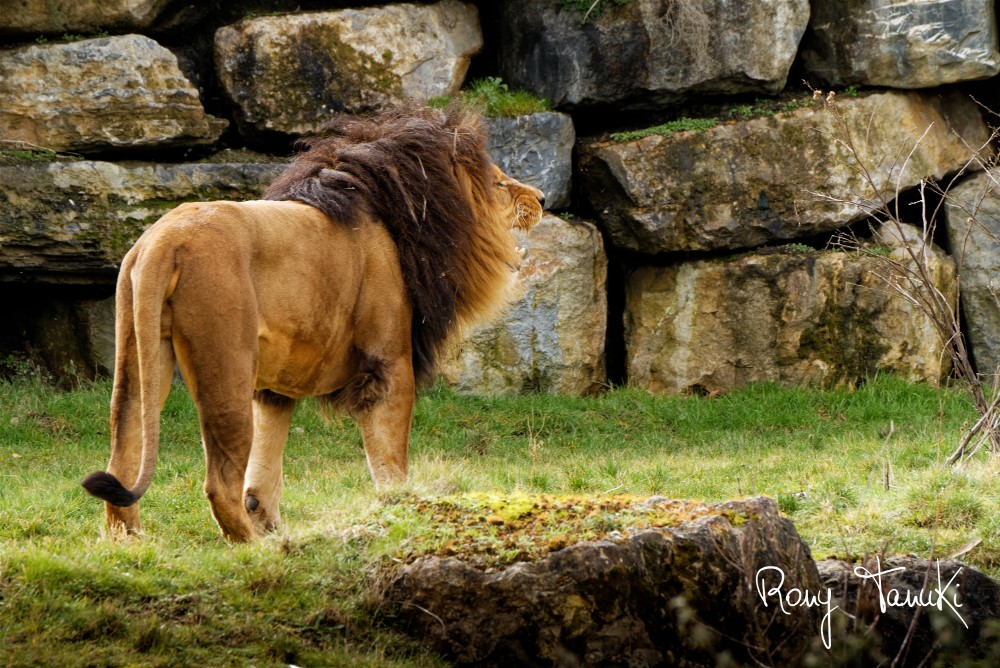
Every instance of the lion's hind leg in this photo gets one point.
(272, 417)
(224, 411)
(218, 361)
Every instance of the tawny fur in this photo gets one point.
(377, 243)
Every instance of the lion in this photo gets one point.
(383, 237)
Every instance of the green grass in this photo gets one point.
(667, 129)
(180, 596)
(25, 156)
(709, 116)
(496, 99)
(73, 37)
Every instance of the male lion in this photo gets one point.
(343, 283)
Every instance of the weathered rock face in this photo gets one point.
(820, 318)
(747, 184)
(289, 74)
(57, 16)
(536, 149)
(908, 44)
(67, 337)
(97, 320)
(646, 53)
(99, 95)
(71, 222)
(968, 598)
(975, 245)
(668, 596)
(551, 338)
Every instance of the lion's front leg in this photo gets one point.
(272, 416)
(385, 425)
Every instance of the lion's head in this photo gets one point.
(426, 175)
(522, 203)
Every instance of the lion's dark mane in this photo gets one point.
(399, 168)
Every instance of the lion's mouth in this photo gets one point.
(525, 216)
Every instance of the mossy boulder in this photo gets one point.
(788, 316)
(289, 74)
(72, 222)
(678, 592)
(777, 177)
(956, 625)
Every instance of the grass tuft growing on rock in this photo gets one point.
(667, 129)
(496, 99)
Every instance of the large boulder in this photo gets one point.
(101, 94)
(32, 17)
(551, 337)
(289, 74)
(973, 224)
(536, 149)
(674, 595)
(749, 183)
(71, 222)
(901, 44)
(646, 53)
(914, 609)
(792, 317)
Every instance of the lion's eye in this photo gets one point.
(501, 184)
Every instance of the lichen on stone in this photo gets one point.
(490, 531)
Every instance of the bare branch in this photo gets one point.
(908, 270)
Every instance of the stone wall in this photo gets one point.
(692, 258)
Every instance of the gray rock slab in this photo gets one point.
(972, 220)
(536, 149)
(124, 92)
(32, 17)
(647, 53)
(551, 337)
(901, 44)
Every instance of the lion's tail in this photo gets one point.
(145, 303)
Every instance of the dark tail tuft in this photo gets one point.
(105, 486)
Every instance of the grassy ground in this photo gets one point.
(858, 472)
